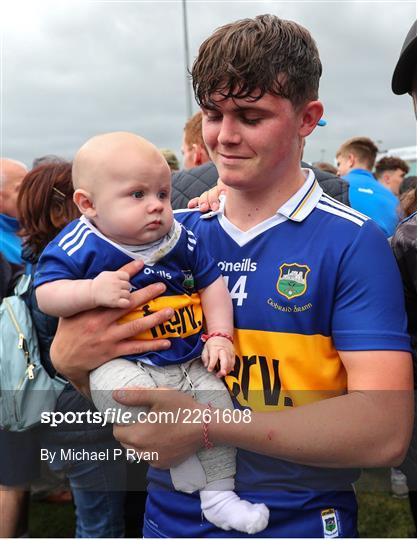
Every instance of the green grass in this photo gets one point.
(380, 516)
(49, 520)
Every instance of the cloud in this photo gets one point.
(83, 68)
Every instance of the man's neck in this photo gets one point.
(246, 209)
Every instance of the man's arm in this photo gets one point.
(89, 339)
(370, 426)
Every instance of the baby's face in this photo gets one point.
(133, 201)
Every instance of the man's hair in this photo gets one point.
(251, 57)
(45, 204)
(363, 148)
(193, 133)
(170, 158)
(326, 167)
(390, 163)
(409, 183)
(48, 158)
(408, 202)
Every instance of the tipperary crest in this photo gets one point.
(188, 282)
(292, 281)
(330, 524)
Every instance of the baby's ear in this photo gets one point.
(84, 202)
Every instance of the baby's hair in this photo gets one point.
(45, 204)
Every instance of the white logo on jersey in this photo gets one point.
(161, 273)
(245, 265)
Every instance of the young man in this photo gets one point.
(355, 161)
(315, 343)
(193, 149)
(390, 172)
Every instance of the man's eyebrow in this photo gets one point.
(249, 108)
(209, 107)
(237, 108)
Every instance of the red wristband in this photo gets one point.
(207, 443)
(206, 337)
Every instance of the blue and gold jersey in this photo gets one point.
(80, 251)
(314, 279)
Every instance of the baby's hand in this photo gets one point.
(219, 350)
(111, 289)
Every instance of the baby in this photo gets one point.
(122, 188)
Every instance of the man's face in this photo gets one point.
(251, 142)
(394, 179)
(13, 175)
(187, 151)
(344, 164)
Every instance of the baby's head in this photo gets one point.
(122, 184)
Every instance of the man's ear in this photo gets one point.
(83, 200)
(386, 178)
(197, 155)
(310, 115)
(352, 160)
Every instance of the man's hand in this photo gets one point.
(111, 289)
(209, 200)
(89, 339)
(175, 437)
(219, 350)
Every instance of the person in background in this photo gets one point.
(326, 167)
(13, 492)
(404, 245)
(47, 158)
(390, 172)
(408, 184)
(45, 207)
(11, 176)
(193, 149)
(409, 200)
(355, 161)
(171, 159)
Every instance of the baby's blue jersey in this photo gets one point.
(82, 252)
(314, 279)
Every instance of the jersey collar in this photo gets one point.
(303, 202)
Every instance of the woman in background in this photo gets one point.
(45, 207)
(404, 245)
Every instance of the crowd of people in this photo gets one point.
(305, 344)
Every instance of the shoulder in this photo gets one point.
(405, 236)
(331, 184)
(191, 183)
(191, 220)
(340, 214)
(68, 232)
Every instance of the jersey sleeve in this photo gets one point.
(369, 312)
(203, 266)
(54, 264)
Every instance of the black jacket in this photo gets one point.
(190, 183)
(404, 245)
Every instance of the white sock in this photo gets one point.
(189, 476)
(227, 511)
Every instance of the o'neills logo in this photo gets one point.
(245, 265)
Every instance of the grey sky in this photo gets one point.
(73, 69)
